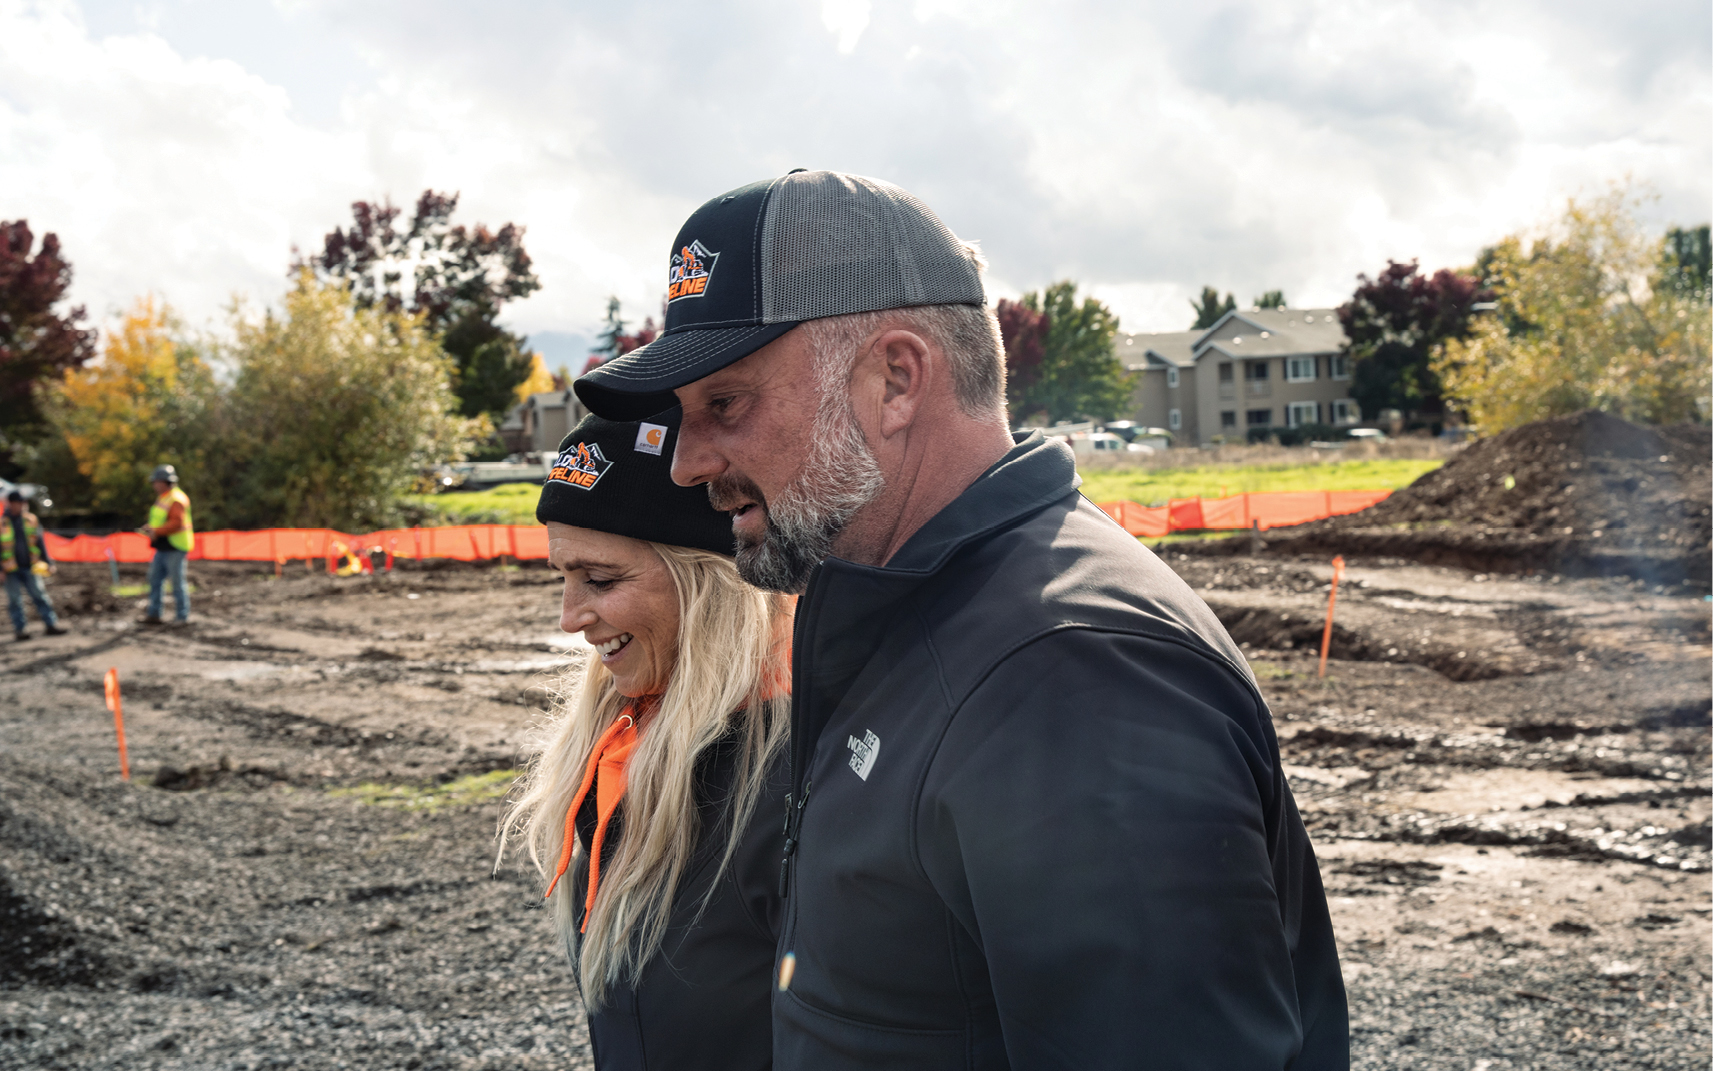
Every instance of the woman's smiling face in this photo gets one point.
(619, 595)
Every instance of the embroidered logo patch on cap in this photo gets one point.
(691, 271)
(651, 439)
(580, 466)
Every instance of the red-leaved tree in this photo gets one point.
(458, 277)
(1392, 324)
(1024, 332)
(37, 344)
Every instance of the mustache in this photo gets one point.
(728, 492)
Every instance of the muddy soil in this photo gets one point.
(1507, 781)
(1586, 494)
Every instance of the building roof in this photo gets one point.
(1157, 349)
(1273, 333)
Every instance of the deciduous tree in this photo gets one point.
(1080, 375)
(1272, 299)
(39, 341)
(335, 406)
(1024, 331)
(1593, 313)
(149, 400)
(456, 278)
(540, 380)
(1392, 324)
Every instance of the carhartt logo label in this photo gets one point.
(691, 272)
(651, 439)
(863, 753)
(580, 466)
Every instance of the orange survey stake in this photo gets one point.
(1331, 601)
(118, 710)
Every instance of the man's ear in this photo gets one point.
(905, 367)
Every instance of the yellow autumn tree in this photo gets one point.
(540, 379)
(333, 410)
(139, 406)
(1583, 320)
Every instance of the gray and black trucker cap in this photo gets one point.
(752, 264)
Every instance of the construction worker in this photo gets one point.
(170, 533)
(24, 557)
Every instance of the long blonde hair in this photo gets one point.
(734, 650)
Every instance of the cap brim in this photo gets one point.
(640, 384)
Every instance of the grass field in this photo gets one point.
(514, 503)
(1153, 487)
(509, 503)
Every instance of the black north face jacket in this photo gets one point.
(1038, 818)
(702, 1002)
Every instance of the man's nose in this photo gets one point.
(694, 458)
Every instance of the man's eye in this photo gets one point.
(598, 585)
(720, 405)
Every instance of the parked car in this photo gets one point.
(34, 493)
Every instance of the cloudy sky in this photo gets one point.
(1142, 147)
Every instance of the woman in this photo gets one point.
(654, 809)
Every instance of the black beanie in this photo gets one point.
(614, 476)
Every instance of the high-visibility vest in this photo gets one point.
(184, 538)
(32, 536)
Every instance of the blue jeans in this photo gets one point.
(18, 582)
(169, 565)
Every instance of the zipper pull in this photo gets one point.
(793, 825)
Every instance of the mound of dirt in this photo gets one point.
(1584, 494)
(1587, 473)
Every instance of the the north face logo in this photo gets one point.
(691, 271)
(580, 466)
(863, 753)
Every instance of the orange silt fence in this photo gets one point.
(1269, 509)
(466, 542)
(477, 542)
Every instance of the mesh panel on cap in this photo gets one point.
(833, 244)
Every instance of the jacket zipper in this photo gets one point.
(800, 752)
(793, 827)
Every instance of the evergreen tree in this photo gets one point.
(1209, 309)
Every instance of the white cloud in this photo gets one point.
(847, 19)
(159, 173)
(1143, 148)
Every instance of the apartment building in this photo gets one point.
(536, 425)
(1255, 368)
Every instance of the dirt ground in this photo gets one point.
(1507, 781)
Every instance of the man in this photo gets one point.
(22, 551)
(1038, 816)
(171, 534)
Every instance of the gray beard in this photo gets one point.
(839, 478)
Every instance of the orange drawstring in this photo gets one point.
(606, 773)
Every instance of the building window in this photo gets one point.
(1299, 413)
(1299, 369)
(1225, 372)
(1228, 418)
(1339, 365)
(1254, 369)
(1345, 411)
(1175, 419)
(1258, 418)
(1171, 377)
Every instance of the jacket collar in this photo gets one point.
(1032, 475)
(845, 613)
